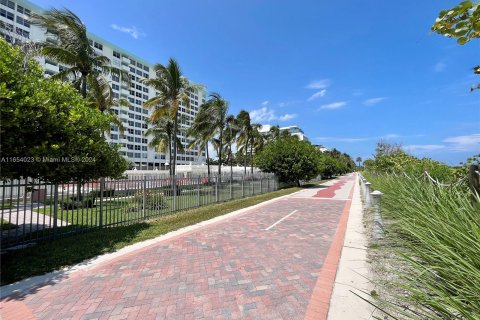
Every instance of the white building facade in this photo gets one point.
(15, 26)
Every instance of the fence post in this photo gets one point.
(367, 194)
(174, 191)
(268, 184)
(216, 189)
(102, 189)
(198, 191)
(55, 210)
(261, 185)
(231, 187)
(144, 198)
(243, 189)
(377, 218)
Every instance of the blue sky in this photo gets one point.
(349, 73)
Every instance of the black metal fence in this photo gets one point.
(32, 210)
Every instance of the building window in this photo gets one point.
(138, 125)
(114, 136)
(145, 75)
(145, 97)
(138, 140)
(115, 86)
(115, 78)
(145, 111)
(23, 22)
(116, 54)
(144, 148)
(137, 148)
(97, 45)
(131, 100)
(8, 3)
(130, 131)
(22, 10)
(139, 102)
(116, 95)
(137, 155)
(139, 65)
(6, 14)
(139, 72)
(144, 140)
(146, 68)
(132, 69)
(138, 87)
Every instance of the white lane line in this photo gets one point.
(288, 215)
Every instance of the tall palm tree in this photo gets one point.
(216, 108)
(163, 134)
(257, 143)
(245, 126)
(100, 97)
(172, 88)
(230, 135)
(274, 133)
(201, 132)
(84, 67)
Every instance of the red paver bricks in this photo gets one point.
(233, 269)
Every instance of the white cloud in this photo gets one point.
(132, 31)
(264, 103)
(319, 84)
(287, 116)
(423, 147)
(266, 115)
(440, 66)
(464, 143)
(334, 105)
(373, 101)
(318, 94)
(262, 115)
(288, 103)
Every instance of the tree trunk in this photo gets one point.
(220, 142)
(174, 144)
(170, 156)
(208, 161)
(84, 86)
(246, 158)
(251, 157)
(231, 163)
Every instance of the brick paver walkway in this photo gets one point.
(251, 266)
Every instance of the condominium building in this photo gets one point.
(292, 130)
(15, 26)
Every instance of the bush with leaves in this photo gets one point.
(290, 159)
(47, 130)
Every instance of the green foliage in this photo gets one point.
(154, 200)
(461, 22)
(435, 231)
(85, 201)
(290, 159)
(47, 129)
(392, 159)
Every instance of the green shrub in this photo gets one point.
(87, 201)
(154, 200)
(436, 231)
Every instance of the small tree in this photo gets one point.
(290, 159)
(48, 131)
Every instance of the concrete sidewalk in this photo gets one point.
(276, 260)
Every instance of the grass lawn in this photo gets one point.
(53, 255)
(116, 210)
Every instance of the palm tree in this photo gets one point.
(257, 143)
(216, 109)
(201, 132)
(359, 160)
(245, 126)
(274, 133)
(231, 131)
(84, 67)
(100, 97)
(172, 88)
(162, 132)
